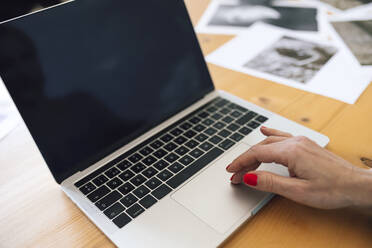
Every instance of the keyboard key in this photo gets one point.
(195, 120)
(261, 119)
(210, 131)
(153, 183)
(245, 130)
(211, 109)
(123, 165)
(186, 160)
(112, 172)
(206, 146)
(175, 167)
(141, 191)
(171, 157)
(114, 210)
(98, 193)
(199, 128)
(166, 138)
(160, 153)
(126, 175)
(224, 133)
(161, 191)
(219, 125)
(149, 172)
(122, 220)
(182, 150)
(98, 181)
(216, 116)
(189, 134)
(180, 140)
(149, 160)
(164, 175)
(87, 188)
(253, 124)
(137, 168)
(196, 153)
(233, 127)
(191, 144)
(108, 200)
(186, 126)
(237, 137)
(226, 144)
(156, 144)
(225, 111)
(232, 105)
(215, 139)
(126, 188)
(227, 119)
(201, 137)
(222, 103)
(175, 132)
(146, 151)
(148, 201)
(240, 108)
(114, 183)
(236, 114)
(170, 146)
(208, 122)
(193, 168)
(135, 211)
(245, 118)
(160, 165)
(203, 115)
(129, 200)
(135, 158)
(138, 180)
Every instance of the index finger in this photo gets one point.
(258, 154)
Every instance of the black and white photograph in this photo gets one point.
(244, 15)
(357, 35)
(294, 59)
(346, 4)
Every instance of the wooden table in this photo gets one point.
(36, 213)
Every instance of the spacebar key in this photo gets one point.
(193, 168)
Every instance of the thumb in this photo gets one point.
(292, 188)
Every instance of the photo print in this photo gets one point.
(357, 35)
(293, 59)
(244, 15)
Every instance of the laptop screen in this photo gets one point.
(89, 76)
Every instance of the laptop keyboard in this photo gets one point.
(128, 185)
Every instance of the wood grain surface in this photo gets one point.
(36, 213)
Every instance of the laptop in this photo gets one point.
(118, 99)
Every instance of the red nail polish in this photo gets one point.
(263, 127)
(228, 167)
(250, 179)
(231, 178)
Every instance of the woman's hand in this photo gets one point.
(318, 178)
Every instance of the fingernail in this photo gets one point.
(231, 178)
(263, 127)
(228, 167)
(250, 179)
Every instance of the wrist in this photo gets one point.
(359, 188)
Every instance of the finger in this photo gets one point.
(292, 188)
(272, 139)
(257, 154)
(274, 132)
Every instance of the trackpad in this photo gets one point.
(212, 198)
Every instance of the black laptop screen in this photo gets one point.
(90, 75)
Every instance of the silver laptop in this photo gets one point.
(119, 101)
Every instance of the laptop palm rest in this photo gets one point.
(214, 200)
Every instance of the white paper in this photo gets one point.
(340, 77)
(253, 13)
(9, 117)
